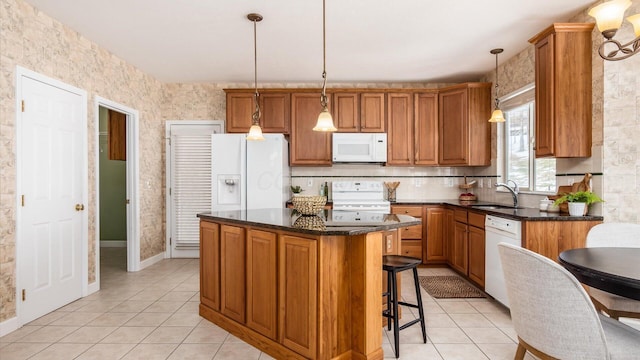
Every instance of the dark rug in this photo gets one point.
(442, 287)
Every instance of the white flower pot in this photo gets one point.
(577, 208)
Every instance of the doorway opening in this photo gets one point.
(117, 184)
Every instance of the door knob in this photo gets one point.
(79, 207)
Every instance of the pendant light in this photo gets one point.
(255, 132)
(325, 121)
(497, 115)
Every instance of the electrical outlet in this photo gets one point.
(480, 183)
(309, 183)
(488, 183)
(570, 181)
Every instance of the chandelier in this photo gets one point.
(609, 16)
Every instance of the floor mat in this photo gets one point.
(441, 287)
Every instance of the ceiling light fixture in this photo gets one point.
(325, 121)
(497, 115)
(609, 16)
(255, 132)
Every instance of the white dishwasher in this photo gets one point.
(498, 230)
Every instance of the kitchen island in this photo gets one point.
(297, 287)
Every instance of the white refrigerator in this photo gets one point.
(249, 174)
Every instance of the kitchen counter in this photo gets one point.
(324, 223)
(522, 214)
(298, 287)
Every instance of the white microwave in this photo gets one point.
(360, 147)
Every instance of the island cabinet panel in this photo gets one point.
(210, 265)
(426, 128)
(262, 291)
(298, 294)
(434, 251)
(550, 238)
(232, 272)
(400, 129)
(308, 147)
(372, 112)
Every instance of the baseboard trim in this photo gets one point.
(93, 287)
(113, 243)
(152, 260)
(9, 326)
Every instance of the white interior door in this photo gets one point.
(52, 197)
(188, 182)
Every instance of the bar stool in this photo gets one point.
(393, 264)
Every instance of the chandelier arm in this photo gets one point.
(627, 50)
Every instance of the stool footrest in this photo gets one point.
(407, 304)
(409, 324)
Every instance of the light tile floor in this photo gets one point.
(153, 314)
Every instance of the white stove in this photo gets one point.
(359, 196)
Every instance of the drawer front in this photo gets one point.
(460, 215)
(476, 220)
(412, 248)
(415, 211)
(411, 232)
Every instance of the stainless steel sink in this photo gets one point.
(494, 206)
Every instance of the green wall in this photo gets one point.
(113, 190)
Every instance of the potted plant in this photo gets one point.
(578, 201)
(296, 190)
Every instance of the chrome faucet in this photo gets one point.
(512, 189)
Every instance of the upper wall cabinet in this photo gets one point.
(464, 130)
(400, 132)
(563, 90)
(308, 147)
(425, 107)
(274, 106)
(359, 111)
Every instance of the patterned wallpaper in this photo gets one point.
(35, 41)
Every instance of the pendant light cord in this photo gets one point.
(256, 95)
(323, 97)
(497, 83)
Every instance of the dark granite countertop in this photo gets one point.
(522, 214)
(327, 222)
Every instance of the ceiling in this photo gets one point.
(190, 41)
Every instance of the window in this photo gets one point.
(520, 163)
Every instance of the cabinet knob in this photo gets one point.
(406, 211)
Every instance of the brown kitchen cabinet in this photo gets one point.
(550, 238)
(449, 222)
(298, 281)
(467, 245)
(275, 110)
(476, 248)
(426, 128)
(372, 112)
(210, 265)
(346, 111)
(262, 291)
(232, 272)
(411, 237)
(400, 132)
(464, 130)
(308, 147)
(563, 90)
(434, 249)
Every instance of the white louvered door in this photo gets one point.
(188, 182)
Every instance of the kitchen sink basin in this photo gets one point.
(494, 206)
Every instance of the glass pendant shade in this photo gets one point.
(255, 133)
(325, 121)
(609, 15)
(497, 116)
(635, 21)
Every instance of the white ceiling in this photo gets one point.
(367, 40)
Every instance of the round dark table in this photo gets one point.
(614, 270)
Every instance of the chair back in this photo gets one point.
(549, 308)
(614, 235)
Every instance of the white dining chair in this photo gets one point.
(553, 315)
(614, 235)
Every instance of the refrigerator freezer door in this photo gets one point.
(267, 172)
(228, 164)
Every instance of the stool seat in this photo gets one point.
(393, 264)
(399, 262)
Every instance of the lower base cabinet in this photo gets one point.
(262, 290)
